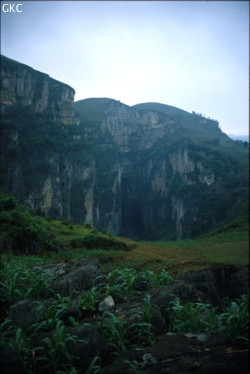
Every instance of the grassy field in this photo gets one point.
(63, 241)
(229, 245)
(179, 256)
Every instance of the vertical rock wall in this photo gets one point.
(136, 173)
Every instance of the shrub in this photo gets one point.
(20, 231)
(96, 241)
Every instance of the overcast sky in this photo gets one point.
(190, 54)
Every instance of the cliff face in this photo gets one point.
(22, 86)
(132, 129)
(149, 171)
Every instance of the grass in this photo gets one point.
(184, 254)
(227, 253)
(227, 244)
(222, 247)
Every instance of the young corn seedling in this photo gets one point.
(134, 366)
(234, 322)
(191, 317)
(140, 333)
(88, 299)
(114, 331)
(94, 366)
(55, 350)
(147, 309)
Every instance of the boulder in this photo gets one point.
(211, 286)
(72, 312)
(26, 312)
(67, 278)
(158, 323)
(218, 282)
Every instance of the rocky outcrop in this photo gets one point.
(67, 277)
(211, 286)
(126, 125)
(22, 86)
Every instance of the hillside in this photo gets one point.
(23, 233)
(149, 172)
(92, 110)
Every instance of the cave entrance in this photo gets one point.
(132, 220)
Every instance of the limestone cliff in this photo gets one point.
(175, 168)
(148, 171)
(22, 86)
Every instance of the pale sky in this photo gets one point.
(190, 54)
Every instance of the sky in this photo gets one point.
(193, 55)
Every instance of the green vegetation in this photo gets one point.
(192, 125)
(18, 281)
(200, 317)
(92, 110)
(20, 231)
(152, 263)
(120, 283)
(24, 233)
(54, 353)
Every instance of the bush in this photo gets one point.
(96, 241)
(20, 231)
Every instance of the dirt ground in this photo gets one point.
(184, 353)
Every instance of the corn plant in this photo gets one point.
(15, 338)
(37, 281)
(147, 310)
(135, 367)
(54, 350)
(114, 331)
(94, 367)
(117, 291)
(157, 279)
(195, 317)
(10, 289)
(199, 317)
(140, 333)
(12, 336)
(234, 321)
(19, 282)
(124, 279)
(122, 282)
(88, 299)
(52, 313)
